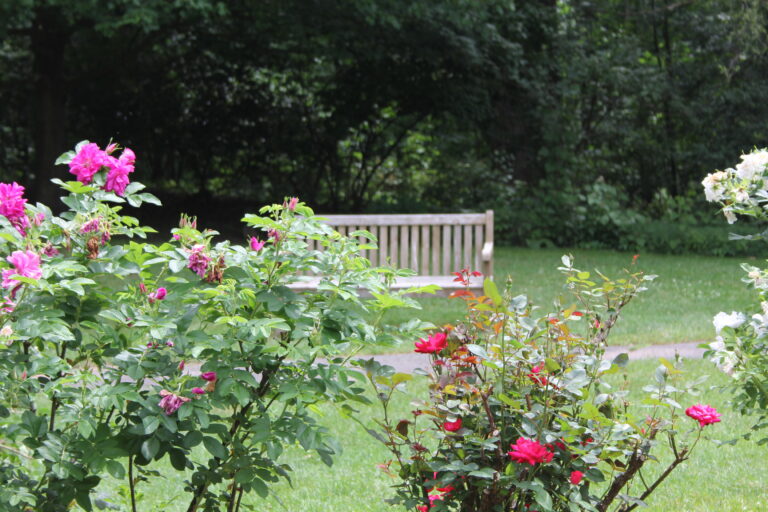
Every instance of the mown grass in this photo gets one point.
(717, 477)
(678, 307)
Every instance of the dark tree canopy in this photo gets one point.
(386, 104)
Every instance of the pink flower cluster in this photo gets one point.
(90, 159)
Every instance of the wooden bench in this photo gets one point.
(434, 245)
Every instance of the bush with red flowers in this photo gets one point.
(521, 415)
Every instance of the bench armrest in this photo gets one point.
(487, 252)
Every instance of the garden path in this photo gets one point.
(408, 362)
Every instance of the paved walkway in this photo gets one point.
(406, 363)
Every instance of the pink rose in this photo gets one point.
(87, 162)
(576, 477)
(12, 201)
(26, 263)
(198, 391)
(209, 376)
(158, 295)
(256, 244)
(117, 177)
(704, 414)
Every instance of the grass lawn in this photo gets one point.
(678, 306)
(723, 478)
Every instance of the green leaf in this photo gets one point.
(483, 473)
(491, 291)
(149, 448)
(150, 424)
(621, 360)
(115, 469)
(551, 365)
(215, 447)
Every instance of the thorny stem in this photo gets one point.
(131, 484)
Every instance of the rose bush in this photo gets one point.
(521, 415)
(741, 346)
(114, 356)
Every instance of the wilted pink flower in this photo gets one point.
(12, 201)
(292, 203)
(26, 263)
(198, 260)
(7, 306)
(209, 376)
(119, 169)
(198, 391)
(576, 477)
(176, 237)
(704, 414)
(170, 402)
(50, 251)
(433, 344)
(142, 288)
(169, 344)
(452, 426)
(529, 451)
(158, 295)
(90, 226)
(273, 233)
(39, 218)
(110, 148)
(21, 224)
(87, 162)
(256, 244)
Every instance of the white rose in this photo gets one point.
(733, 320)
(752, 164)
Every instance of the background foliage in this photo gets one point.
(558, 114)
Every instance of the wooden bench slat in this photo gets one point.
(404, 260)
(425, 245)
(457, 263)
(478, 248)
(383, 246)
(435, 269)
(394, 239)
(446, 241)
(467, 245)
(413, 249)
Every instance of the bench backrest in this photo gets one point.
(430, 244)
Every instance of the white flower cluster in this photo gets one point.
(735, 187)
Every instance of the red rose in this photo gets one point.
(530, 451)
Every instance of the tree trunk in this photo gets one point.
(48, 41)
